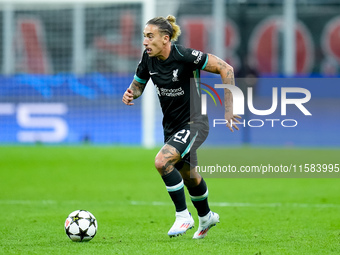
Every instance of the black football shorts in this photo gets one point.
(187, 140)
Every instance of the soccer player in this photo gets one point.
(171, 67)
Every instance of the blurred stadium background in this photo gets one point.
(66, 63)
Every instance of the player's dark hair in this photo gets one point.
(167, 26)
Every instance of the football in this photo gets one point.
(81, 226)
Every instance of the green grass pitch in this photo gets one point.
(41, 185)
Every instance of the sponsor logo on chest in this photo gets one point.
(174, 92)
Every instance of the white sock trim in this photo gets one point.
(175, 187)
(200, 198)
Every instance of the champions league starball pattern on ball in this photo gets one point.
(81, 226)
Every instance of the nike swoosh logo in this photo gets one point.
(153, 73)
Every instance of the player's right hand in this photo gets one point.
(128, 97)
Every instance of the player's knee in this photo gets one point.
(190, 177)
(190, 181)
(164, 166)
(160, 163)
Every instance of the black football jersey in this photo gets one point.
(177, 84)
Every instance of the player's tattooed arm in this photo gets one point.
(226, 71)
(219, 66)
(137, 88)
(134, 91)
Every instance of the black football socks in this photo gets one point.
(199, 197)
(175, 186)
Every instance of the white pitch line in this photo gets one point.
(26, 202)
(226, 204)
(160, 203)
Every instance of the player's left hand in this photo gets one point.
(128, 97)
(232, 120)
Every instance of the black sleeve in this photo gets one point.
(142, 73)
(195, 58)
